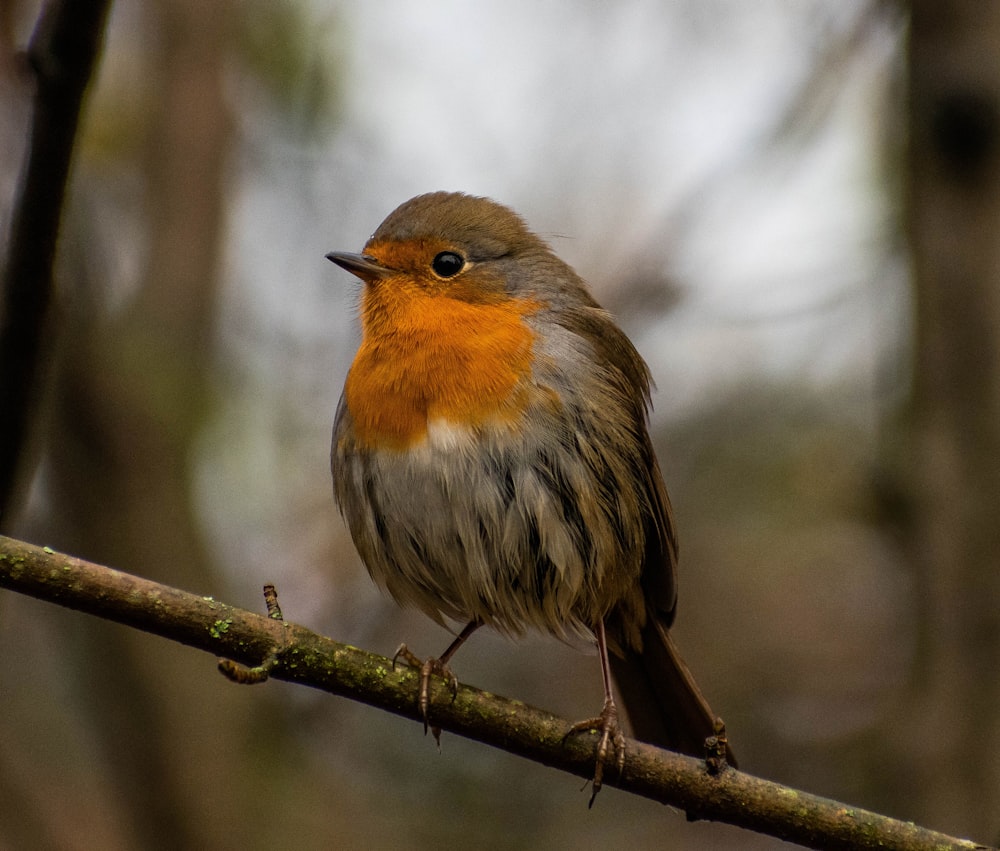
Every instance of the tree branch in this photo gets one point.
(290, 652)
(62, 55)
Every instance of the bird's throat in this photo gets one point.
(427, 357)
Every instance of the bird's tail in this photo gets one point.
(662, 699)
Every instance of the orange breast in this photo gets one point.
(425, 356)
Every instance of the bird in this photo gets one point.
(492, 460)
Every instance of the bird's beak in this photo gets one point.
(361, 265)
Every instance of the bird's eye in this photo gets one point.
(447, 264)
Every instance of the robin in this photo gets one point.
(492, 460)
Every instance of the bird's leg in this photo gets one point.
(431, 667)
(606, 723)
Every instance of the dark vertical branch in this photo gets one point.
(62, 56)
(954, 228)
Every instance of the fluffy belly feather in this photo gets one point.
(510, 527)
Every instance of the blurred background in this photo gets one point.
(792, 207)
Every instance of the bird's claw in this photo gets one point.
(612, 738)
(427, 668)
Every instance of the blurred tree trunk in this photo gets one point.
(131, 398)
(954, 225)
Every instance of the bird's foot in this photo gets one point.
(428, 668)
(612, 741)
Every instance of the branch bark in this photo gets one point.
(296, 654)
(62, 55)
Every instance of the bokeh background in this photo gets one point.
(755, 189)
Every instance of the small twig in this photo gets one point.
(248, 676)
(271, 602)
(716, 747)
(258, 673)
